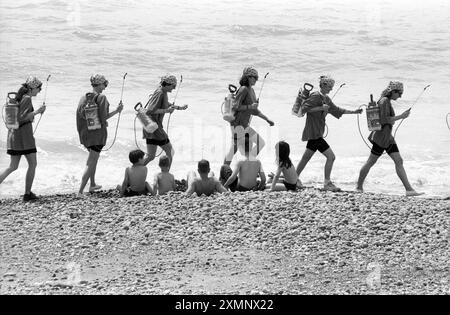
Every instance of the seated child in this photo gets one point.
(225, 173)
(164, 181)
(248, 171)
(134, 183)
(286, 167)
(204, 185)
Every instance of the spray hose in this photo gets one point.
(260, 91)
(118, 118)
(415, 102)
(326, 126)
(43, 104)
(447, 120)
(396, 129)
(168, 120)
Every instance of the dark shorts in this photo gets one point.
(23, 152)
(317, 144)
(290, 187)
(158, 142)
(378, 151)
(131, 193)
(96, 148)
(242, 188)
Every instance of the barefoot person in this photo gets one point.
(317, 106)
(158, 106)
(92, 115)
(21, 141)
(383, 140)
(245, 106)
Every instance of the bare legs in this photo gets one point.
(32, 163)
(256, 143)
(328, 165)
(14, 164)
(329, 154)
(89, 172)
(401, 170)
(151, 152)
(365, 170)
(398, 161)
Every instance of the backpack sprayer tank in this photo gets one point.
(227, 105)
(373, 115)
(148, 124)
(91, 112)
(303, 95)
(11, 111)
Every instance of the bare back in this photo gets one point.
(165, 182)
(290, 175)
(248, 173)
(136, 177)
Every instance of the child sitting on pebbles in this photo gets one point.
(164, 181)
(248, 171)
(134, 183)
(204, 185)
(285, 166)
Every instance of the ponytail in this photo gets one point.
(24, 89)
(244, 81)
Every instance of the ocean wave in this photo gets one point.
(281, 30)
(88, 35)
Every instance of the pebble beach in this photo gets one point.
(307, 242)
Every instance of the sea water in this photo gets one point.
(364, 45)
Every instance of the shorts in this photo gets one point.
(378, 151)
(317, 144)
(243, 189)
(96, 148)
(158, 142)
(21, 152)
(290, 187)
(132, 193)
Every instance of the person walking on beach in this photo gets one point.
(92, 115)
(383, 140)
(245, 106)
(317, 106)
(21, 141)
(158, 106)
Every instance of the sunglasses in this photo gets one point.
(256, 78)
(398, 92)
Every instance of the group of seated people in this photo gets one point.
(247, 175)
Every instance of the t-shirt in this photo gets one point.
(315, 121)
(384, 137)
(245, 96)
(22, 139)
(158, 100)
(93, 137)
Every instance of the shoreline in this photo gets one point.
(182, 187)
(310, 242)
